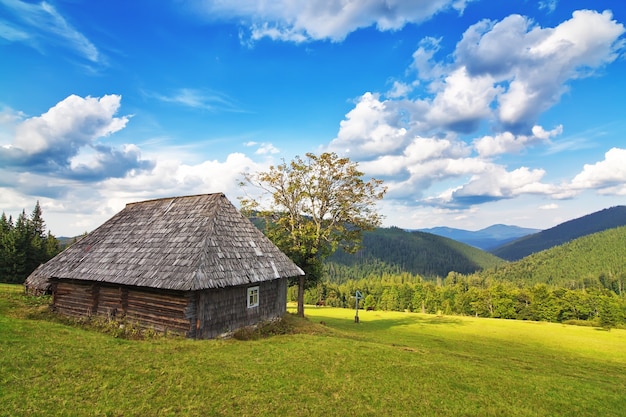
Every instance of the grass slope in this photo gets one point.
(392, 364)
(394, 250)
(572, 262)
(562, 233)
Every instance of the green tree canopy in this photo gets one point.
(312, 206)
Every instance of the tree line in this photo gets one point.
(24, 245)
(595, 301)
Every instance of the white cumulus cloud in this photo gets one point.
(65, 141)
(507, 142)
(299, 21)
(463, 101)
(544, 59)
(71, 123)
(497, 183)
(61, 155)
(608, 176)
(374, 126)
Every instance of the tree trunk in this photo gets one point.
(300, 311)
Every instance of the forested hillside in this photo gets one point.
(393, 251)
(600, 255)
(579, 282)
(564, 232)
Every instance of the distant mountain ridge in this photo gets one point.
(486, 239)
(592, 223)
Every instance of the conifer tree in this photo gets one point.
(7, 248)
(24, 245)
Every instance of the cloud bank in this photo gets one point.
(64, 158)
(65, 142)
(302, 21)
(501, 76)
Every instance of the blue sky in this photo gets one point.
(473, 112)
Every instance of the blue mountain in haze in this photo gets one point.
(486, 239)
(591, 223)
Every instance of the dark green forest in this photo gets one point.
(24, 245)
(394, 250)
(578, 282)
(575, 265)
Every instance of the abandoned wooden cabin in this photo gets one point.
(192, 265)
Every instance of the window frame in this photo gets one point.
(252, 298)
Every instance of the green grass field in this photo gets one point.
(390, 364)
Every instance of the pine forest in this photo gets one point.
(24, 245)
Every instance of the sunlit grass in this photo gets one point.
(397, 327)
(391, 364)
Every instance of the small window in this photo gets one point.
(253, 297)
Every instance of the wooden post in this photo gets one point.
(357, 297)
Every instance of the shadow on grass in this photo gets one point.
(441, 320)
(375, 322)
(426, 321)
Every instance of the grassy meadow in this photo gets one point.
(390, 364)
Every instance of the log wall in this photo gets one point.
(109, 302)
(163, 311)
(200, 314)
(160, 310)
(74, 300)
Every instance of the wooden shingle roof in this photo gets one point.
(180, 243)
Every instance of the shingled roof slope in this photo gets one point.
(180, 243)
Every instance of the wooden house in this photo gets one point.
(192, 265)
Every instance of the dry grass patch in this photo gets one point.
(289, 324)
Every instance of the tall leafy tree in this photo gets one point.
(313, 206)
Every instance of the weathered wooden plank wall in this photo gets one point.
(225, 309)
